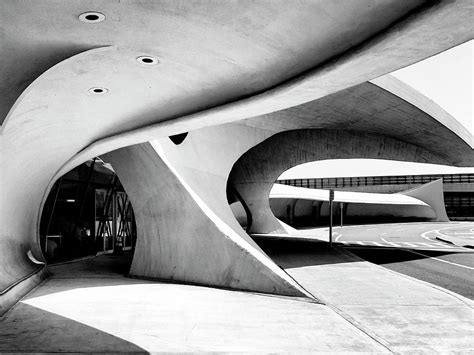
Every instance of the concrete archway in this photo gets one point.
(256, 171)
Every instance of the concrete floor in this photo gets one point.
(415, 249)
(86, 306)
(90, 306)
(403, 313)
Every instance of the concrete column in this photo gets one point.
(184, 231)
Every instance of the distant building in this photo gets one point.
(458, 188)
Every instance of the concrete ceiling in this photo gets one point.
(386, 106)
(223, 44)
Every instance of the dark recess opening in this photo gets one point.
(92, 17)
(178, 138)
(87, 213)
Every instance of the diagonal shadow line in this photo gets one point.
(31, 329)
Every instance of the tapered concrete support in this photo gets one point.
(188, 234)
(432, 194)
(255, 173)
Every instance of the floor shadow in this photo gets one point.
(409, 262)
(388, 255)
(100, 271)
(104, 265)
(298, 253)
(30, 329)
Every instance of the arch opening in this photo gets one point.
(255, 173)
(87, 213)
(367, 191)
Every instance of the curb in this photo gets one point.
(446, 240)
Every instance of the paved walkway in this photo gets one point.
(400, 312)
(90, 306)
(87, 306)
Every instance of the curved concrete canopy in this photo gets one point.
(57, 124)
(256, 171)
(408, 36)
(384, 106)
(427, 109)
(228, 41)
(387, 108)
(304, 193)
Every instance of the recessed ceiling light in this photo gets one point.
(147, 60)
(92, 17)
(98, 90)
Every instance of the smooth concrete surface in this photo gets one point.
(404, 314)
(385, 106)
(180, 237)
(222, 44)
(192, 177)
(10, 296)
(89, 307)
(432, 194)
(235, 60)
(424, 104)
(256, 171)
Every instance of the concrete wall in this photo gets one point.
(375, 210)
(240, 214)
(309, 212)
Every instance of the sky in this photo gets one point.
(447, 79)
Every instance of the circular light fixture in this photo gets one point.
(147, 60)
(98, 90)
(92, 17)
